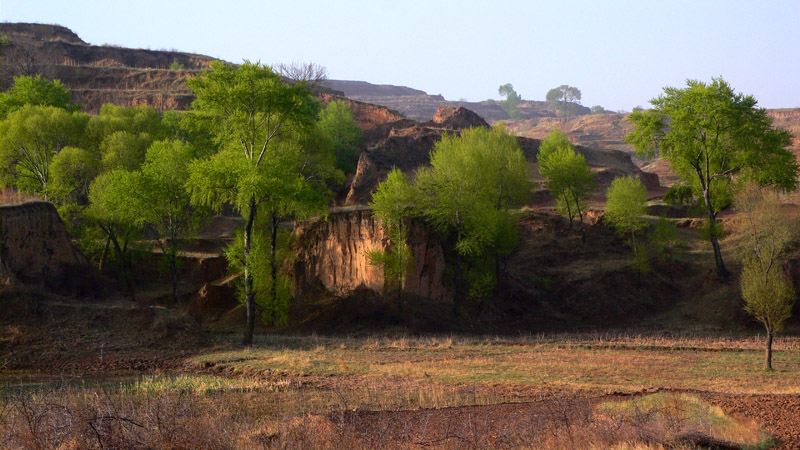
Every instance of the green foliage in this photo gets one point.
(511, 103)
(473, 181)
(339, 125)
(597, 109)
(271, 296)
(115, 208)
(34, 91)
(391, 204)
(263, 129)
(176, 65)
(679, 195)
(563, 99)
(710, 134)
(72, 170)
(664, 238)
(638, 109)
(569, 179)
(768, 294)
(626, 204)
(29, 139)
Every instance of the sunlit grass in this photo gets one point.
(603, 364)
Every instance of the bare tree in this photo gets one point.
(308, 72)
(23, 57)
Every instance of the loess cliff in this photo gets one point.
(36, 248)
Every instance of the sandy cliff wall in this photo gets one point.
(332, 254)
(35, 246)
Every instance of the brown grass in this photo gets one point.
(10, 196)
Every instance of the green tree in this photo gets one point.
(72, 171)
(511, 103)
(768, 232)
(625, 206)
(338, 123)
(29, 139)
(665, 242)
(249, 110)
(569, 179)
(709, 134)
(163, 189)
(36, 91)
(597, 109)
(117, 210)
(473, 181)
(391, 204)
(563, 98)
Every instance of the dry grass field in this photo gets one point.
(558, 391)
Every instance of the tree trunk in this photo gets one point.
(722, 271)
(104, 254)
(768, 354)
(273, 265)
(248, 279)
(173, 257)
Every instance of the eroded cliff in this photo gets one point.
(36, 248)
(332, 254)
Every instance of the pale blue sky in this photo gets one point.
(619, 53)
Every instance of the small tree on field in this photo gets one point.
(569, 178)
(626, 204)
(391, 203)
(767, 292)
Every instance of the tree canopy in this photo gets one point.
(35, 91)
(511, 103)
(258, 123)
(338, 123)
(713, 137)
(563, 98)
(569, 179)
(473, 181)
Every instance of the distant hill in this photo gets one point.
(419, 105)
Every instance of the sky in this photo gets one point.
(620, 54)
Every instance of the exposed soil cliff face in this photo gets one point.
(35, 246)
(332, 254)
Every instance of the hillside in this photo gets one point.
(419, 105)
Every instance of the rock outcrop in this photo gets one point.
(36, 248)
(332, 254)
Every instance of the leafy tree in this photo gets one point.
(625, 206)
(391, 204)
(562, 98)
(597, 109)
(768, 293)
(569, 179)
(665, 241)
(163, 190)
(338, 123)
(709, 134)
(124, 150)
(34, 90)
(679, 195)
(71, 173)
(250, 111)
(29, 139)
(512, 101)
(176, 65)
(117, 210)
(473, 181)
